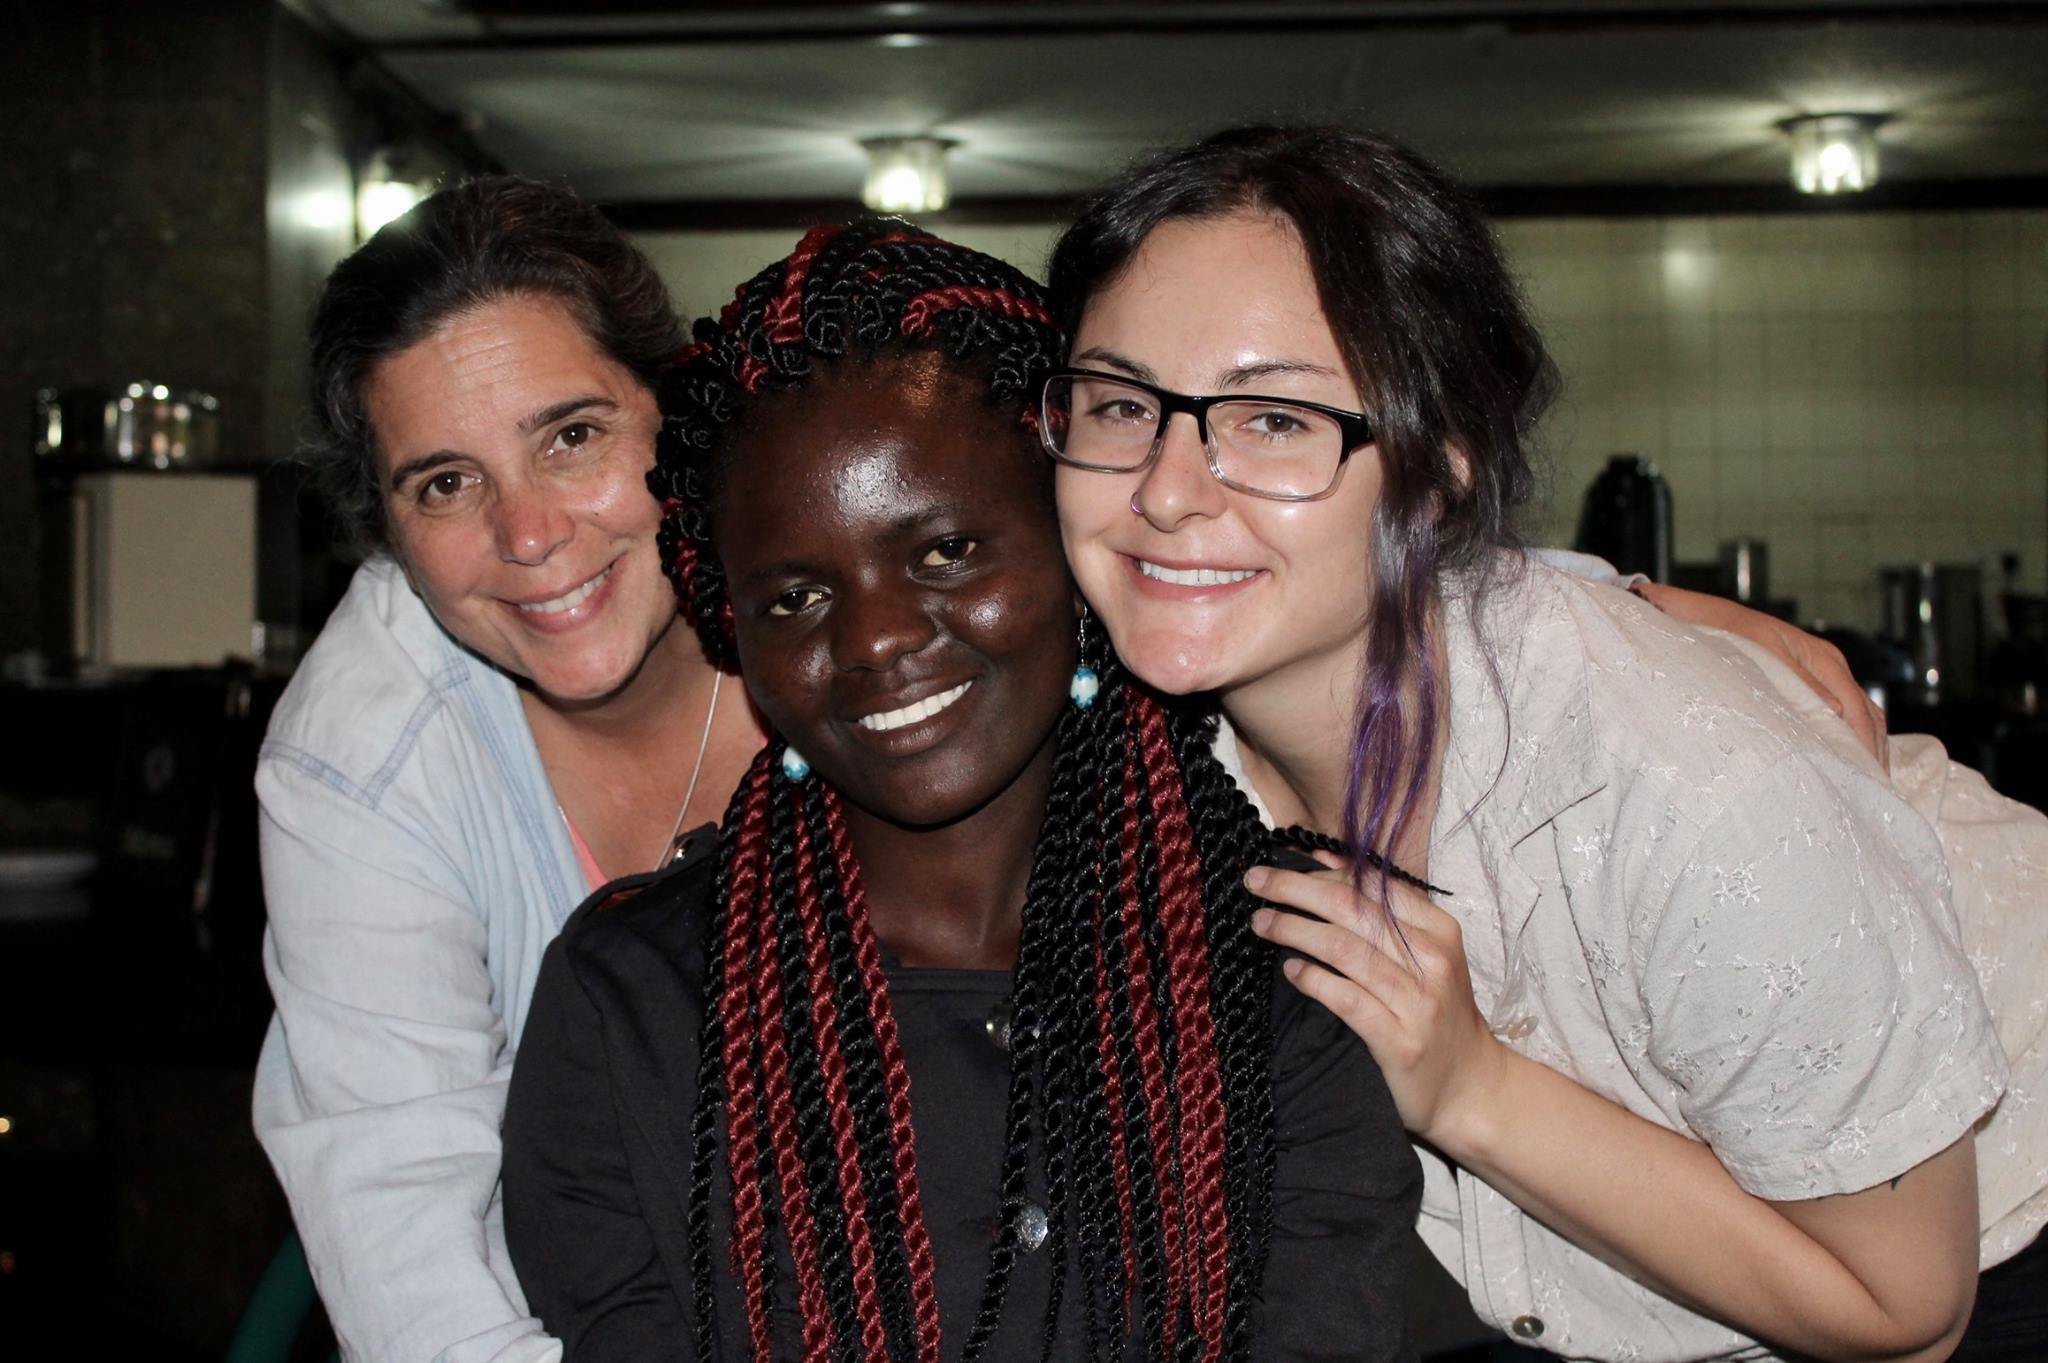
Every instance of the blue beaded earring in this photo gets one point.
(1082, 689)
(795, 766)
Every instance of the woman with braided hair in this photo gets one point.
(957, 1043)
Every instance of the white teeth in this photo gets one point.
(570, 599)
(913, 712)
(1196, 577)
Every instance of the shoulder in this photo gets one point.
(1682, 709)
(377, 677)
(645, 934)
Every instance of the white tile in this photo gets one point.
(1940, 280)
(2030, 262)
(1743, 235)
(1692, 525)
(1843, 542)
(1739, 483)
(1994, 280)
(1689, 234)
(1738, 284)
(1846, 479)
(1795, 554)
(1739, 423)
(1790, 423)
(1739, 354)
(1838, 352)
(1790, 344)
(1633, 236)
(1841, 607)
(1689, 420)
(1787, 282)
(1636, 284)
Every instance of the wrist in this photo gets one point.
(1477, 1113)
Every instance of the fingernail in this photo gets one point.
(1291, 967)
(1261, 921)
(1255, 879)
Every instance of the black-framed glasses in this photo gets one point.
(1283, 448)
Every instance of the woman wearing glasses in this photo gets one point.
(1687, 1032)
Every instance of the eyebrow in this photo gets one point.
(1232, 378)
(533, 421)
(548, 416)
(906, 526)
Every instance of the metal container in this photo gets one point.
(1935, 612)
(1627, 518)
(133, 426)
(1746, 571)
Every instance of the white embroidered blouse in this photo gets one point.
(1678, 892)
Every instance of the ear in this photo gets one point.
(1461, 468)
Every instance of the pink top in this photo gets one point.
(592, 872)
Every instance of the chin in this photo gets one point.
(582, 685)
(1171, 662)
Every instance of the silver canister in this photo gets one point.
(132, 426)
(1935, 612)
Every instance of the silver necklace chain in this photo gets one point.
(675, 832)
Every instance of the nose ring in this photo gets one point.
(1136, 510)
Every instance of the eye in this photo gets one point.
(440, 490)
(948, 552)
(795, 600)
(1276, 421)
(1121, 409)
(576, 435)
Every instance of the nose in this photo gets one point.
(1178, 486)
(876, 627)
(530, 524)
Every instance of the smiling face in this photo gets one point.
(902, 612)
(513, 455)
(1203, 588)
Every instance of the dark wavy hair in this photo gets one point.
(1140, 1092)
(491, 238)
(1451, 369)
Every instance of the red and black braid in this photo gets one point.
(1140, 1099)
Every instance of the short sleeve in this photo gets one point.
(1807, 991)
(574, 1221)
(1346, 1190)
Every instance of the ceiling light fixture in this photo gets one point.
(389, 186)
(1833, 153)
(906, 174)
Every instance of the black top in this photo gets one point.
(597, 1142)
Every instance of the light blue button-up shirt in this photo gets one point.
(415, 865)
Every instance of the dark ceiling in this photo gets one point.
(684, 111)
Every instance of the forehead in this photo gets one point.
(1204, 297)
(482, 370)
(880, 439)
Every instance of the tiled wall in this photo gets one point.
(1858, 389)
